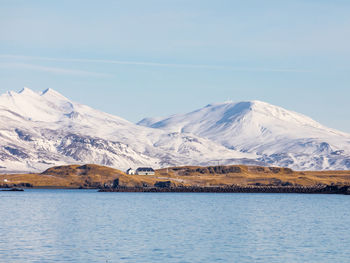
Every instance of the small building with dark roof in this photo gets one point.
(145, 171)
(130, 171)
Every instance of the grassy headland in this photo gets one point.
(96, 176)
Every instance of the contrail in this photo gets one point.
(55, 70)
(153, 64)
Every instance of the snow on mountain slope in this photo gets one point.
(39, 130)
(275, 135)
(42, 129)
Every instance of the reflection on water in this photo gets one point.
(86, 226)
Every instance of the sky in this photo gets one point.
(139, 59)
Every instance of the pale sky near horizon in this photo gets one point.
(152, 58)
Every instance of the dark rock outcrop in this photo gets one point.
(220, 169)
(13, 190)
(163, 184)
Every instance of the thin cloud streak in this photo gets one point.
(155, 64)
(55, 70)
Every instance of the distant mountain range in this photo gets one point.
(40, 130)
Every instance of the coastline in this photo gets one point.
(317, 189)
(323, 189)
(196, 179)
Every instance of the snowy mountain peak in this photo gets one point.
(23, 92)
(248, 115)
(36, 106)
(27, 91)
(53, 94)
(292, 139)
(260, 112)
(47, 91)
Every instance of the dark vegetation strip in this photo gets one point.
(322, 189)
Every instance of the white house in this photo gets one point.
(145, 171)
(130, 171)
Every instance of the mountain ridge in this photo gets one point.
(43, 129)
(266, 130)
(39, 130)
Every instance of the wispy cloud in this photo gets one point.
(55, 70)
(154, 64)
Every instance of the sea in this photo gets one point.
(52, 225)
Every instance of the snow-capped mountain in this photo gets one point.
(275, 135)
(40, 130)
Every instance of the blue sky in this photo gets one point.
(154, 58)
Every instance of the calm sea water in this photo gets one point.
(87, 226)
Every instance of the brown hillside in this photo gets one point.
(75, 176)
(93, 176)
(253, 175)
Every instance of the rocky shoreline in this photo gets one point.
(12, 190)
(319, 189)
